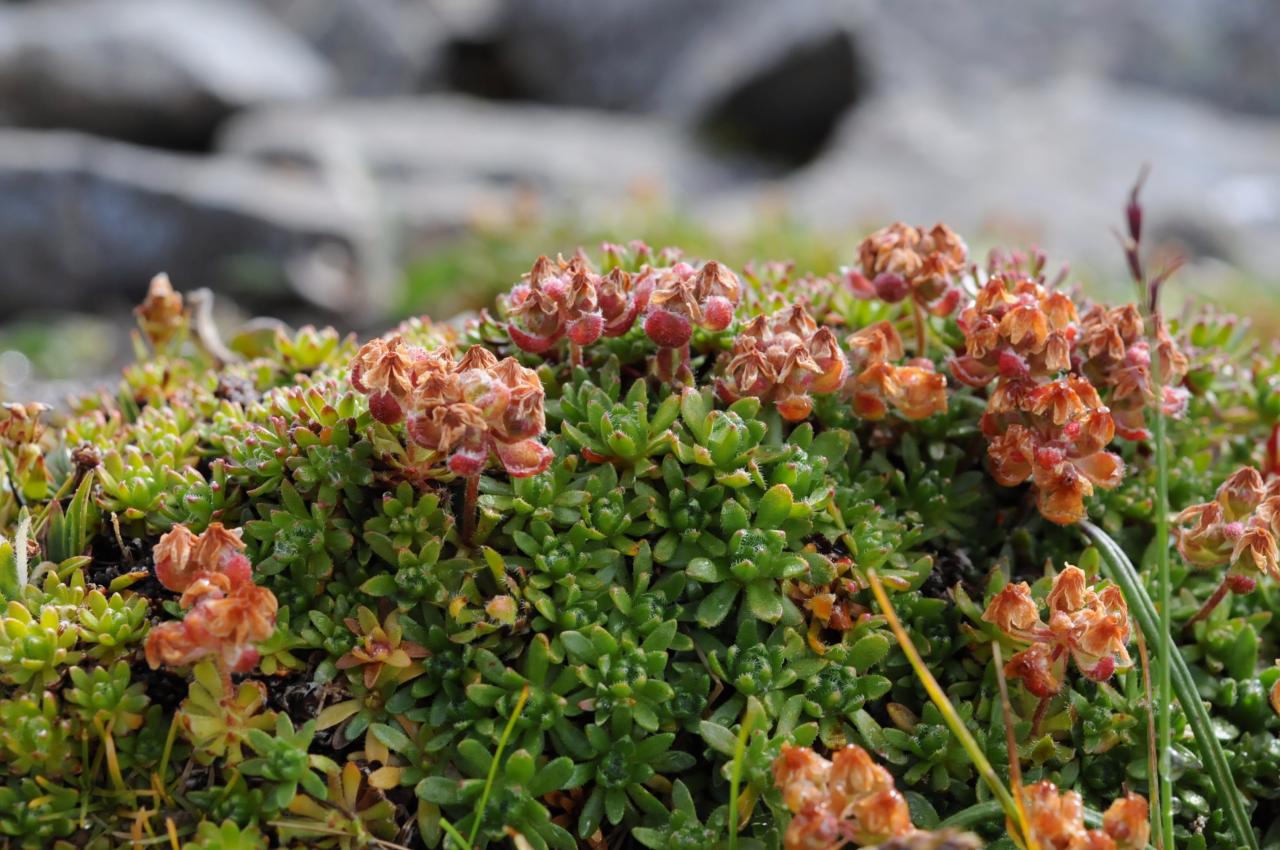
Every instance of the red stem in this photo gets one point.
(470, 508)
(1212, 602)
(1037, 719)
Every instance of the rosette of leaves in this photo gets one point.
(352, 814)
(217, 723)
(34, 812)
(606, 426)
(623, 677)
(683, 830)
(548, 709)
(35, 649)
(106, 699)
(620, 774)
(227, 835)
(301, 537)
(285, 763)
(36, 737)
(408, 532)
(110, 625)
(757, 563)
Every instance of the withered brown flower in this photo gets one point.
(1114, 353)
(161, 314)
(847, 799)
(782, 359)
(1056, 820)
(901, 261)
(226, 612)
(1088, 625)
(875, 385)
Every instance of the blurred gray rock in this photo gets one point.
(1051, 164)
(376, 47)
(87, 222)
(155, 71)
(1224, 51)
(434, 163)
(770, 77)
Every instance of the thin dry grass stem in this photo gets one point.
(1011, 746)
(1013, 811)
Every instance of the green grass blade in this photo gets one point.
(493, 766)
(453, 833)
(735, 773)
(1167, 651)
(1122, 572)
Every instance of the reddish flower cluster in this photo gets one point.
(567, 298)
(1044, 428)
(1239, 527)
(783, 358)
(465, 409)
(1054, 435)
(876, 384)
(1056, 821)
(1016, 330)
(684, 297)
(900, 261)
(226, 612)
(847, 799)
(1089, 626)
(1114, 354)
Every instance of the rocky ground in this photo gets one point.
(308, 151)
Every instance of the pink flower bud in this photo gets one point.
(385, 408)
(891, 287)
(586, 329)
(667, 329)
(717, 313)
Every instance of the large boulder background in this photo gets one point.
(163, 72)
(306, 152)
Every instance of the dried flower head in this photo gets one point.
(900, 261)
(1015, 329)
(916, 391)
(1088, 625)
(226, 612)
(466, 409)
(1114, 353)
(387, 370)
(684, 297)
(783, 359)
(20, 424)
(567, 298)
(847, 799)
(161, 314)
(182, 558)
(1054, 435)
(478, 406)
(1238, 528)
(1056, 820)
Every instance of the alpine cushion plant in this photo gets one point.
(594, 569)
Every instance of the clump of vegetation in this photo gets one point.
(655, 553)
